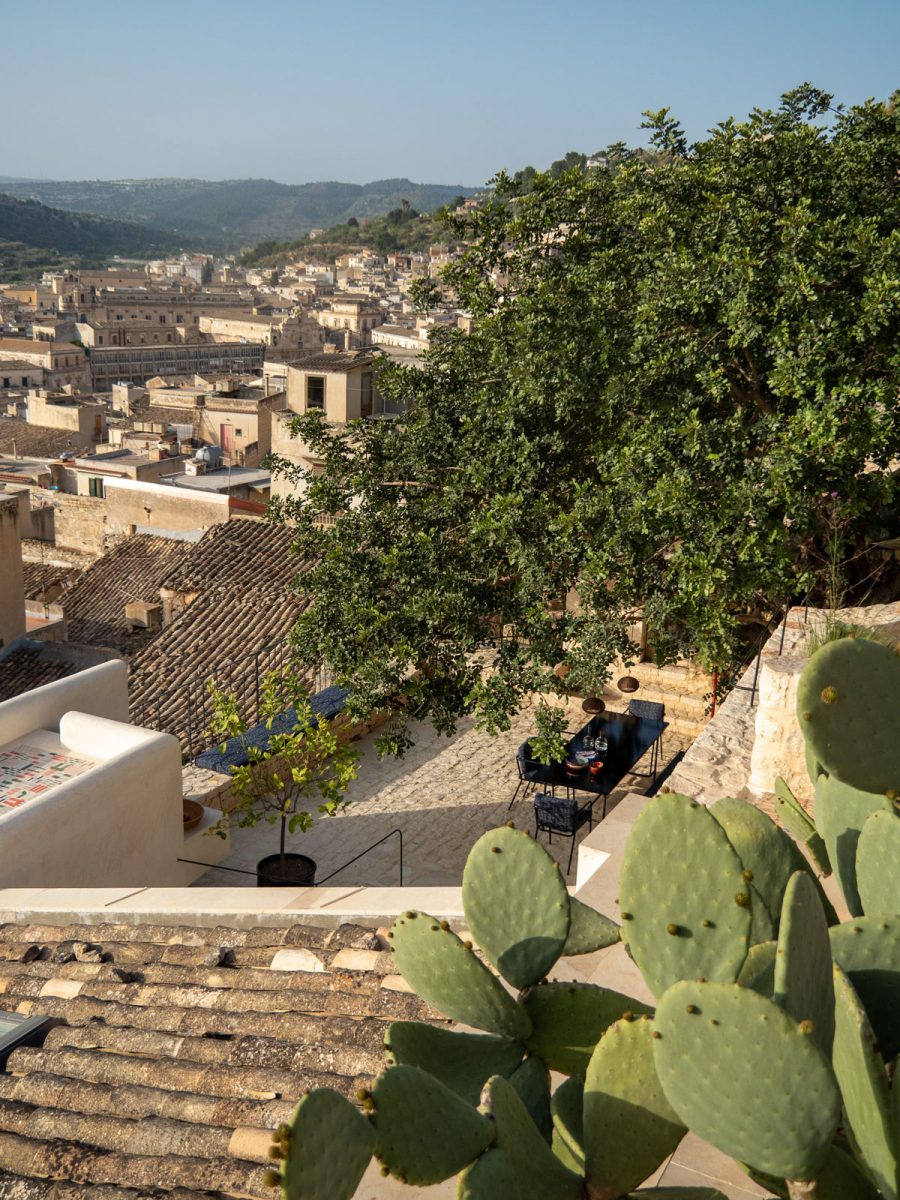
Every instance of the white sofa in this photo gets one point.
(116, 823)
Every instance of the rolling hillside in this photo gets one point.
(33, 235)
(234, 212)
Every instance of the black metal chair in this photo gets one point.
(652, 710)
(562, 815)
(529, 772)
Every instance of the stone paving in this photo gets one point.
(442, 795)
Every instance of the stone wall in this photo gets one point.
(754, 736)
(778, 745)
(12, 588)
(80, 522)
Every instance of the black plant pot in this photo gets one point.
(300, 871)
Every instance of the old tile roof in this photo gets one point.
(243, 554)
(338, 362)
(39, 440)
(234, 638)
(47, 577)
(132, 570)
(25, 669)
(240, 581)
(178, 1049)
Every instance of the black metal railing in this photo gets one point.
(185, 710)
(758, 652)
(319, 882)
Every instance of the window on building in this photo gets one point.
(365, 394)
(315, 391)
(6, 383)
(96, 487)
(162, 319)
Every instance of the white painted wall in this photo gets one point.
(117, 824)
(101, 691)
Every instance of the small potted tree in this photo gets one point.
(294, 762)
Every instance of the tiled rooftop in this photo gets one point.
(132, 570)
(239, 555)
(178, 1048)
(25, 669)
(47, 577)
(17, 436)
(219, 635)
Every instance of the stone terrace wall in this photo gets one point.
(744, 747)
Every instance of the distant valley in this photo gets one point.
(232, 213)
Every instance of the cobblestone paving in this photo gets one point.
(442, 795)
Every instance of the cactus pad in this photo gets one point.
(566, 1107)
(715, 1056)
(489, 1176)
(532, 1083)
(878, 865)
(864, 1086)
(839, 1178)
(439, 967)
(342, 1143)
(841, 812)
(676, 1193)
(569, 1019)
(868, 950)
(424, 1132)
(800, 825)
(589, 930)
(539, 1173)
(629, 1125)
(802, 985)
(463, 1062)
(516, 904)
(758, 971)
(684, 901)
(761, 846)
(848, 702)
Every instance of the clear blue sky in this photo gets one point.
(439, 92)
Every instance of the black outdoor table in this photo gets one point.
(628, 737)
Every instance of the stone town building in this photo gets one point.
(341, 385)
(62, 365)
(137, 364)
(86, 419)
(355, 316)
(12, 593)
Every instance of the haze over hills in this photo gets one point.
(235, 212)
(32, 232)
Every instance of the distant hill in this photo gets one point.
(32, 226)
(235, 212)
(404, 230)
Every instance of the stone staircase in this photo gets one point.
(680, 687)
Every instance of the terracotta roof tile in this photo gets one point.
(25, 669)
(132, 570)
(47, 577)
(39, 441)
(176, 1050)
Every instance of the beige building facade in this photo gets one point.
(12, 586)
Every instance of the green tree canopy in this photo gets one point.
(671, 362)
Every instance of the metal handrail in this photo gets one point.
(241, 871)
(398, 832)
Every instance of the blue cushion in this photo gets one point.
(327, 703)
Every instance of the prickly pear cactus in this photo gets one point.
(848, 711)
(770, 1026)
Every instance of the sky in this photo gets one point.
(437, 92)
